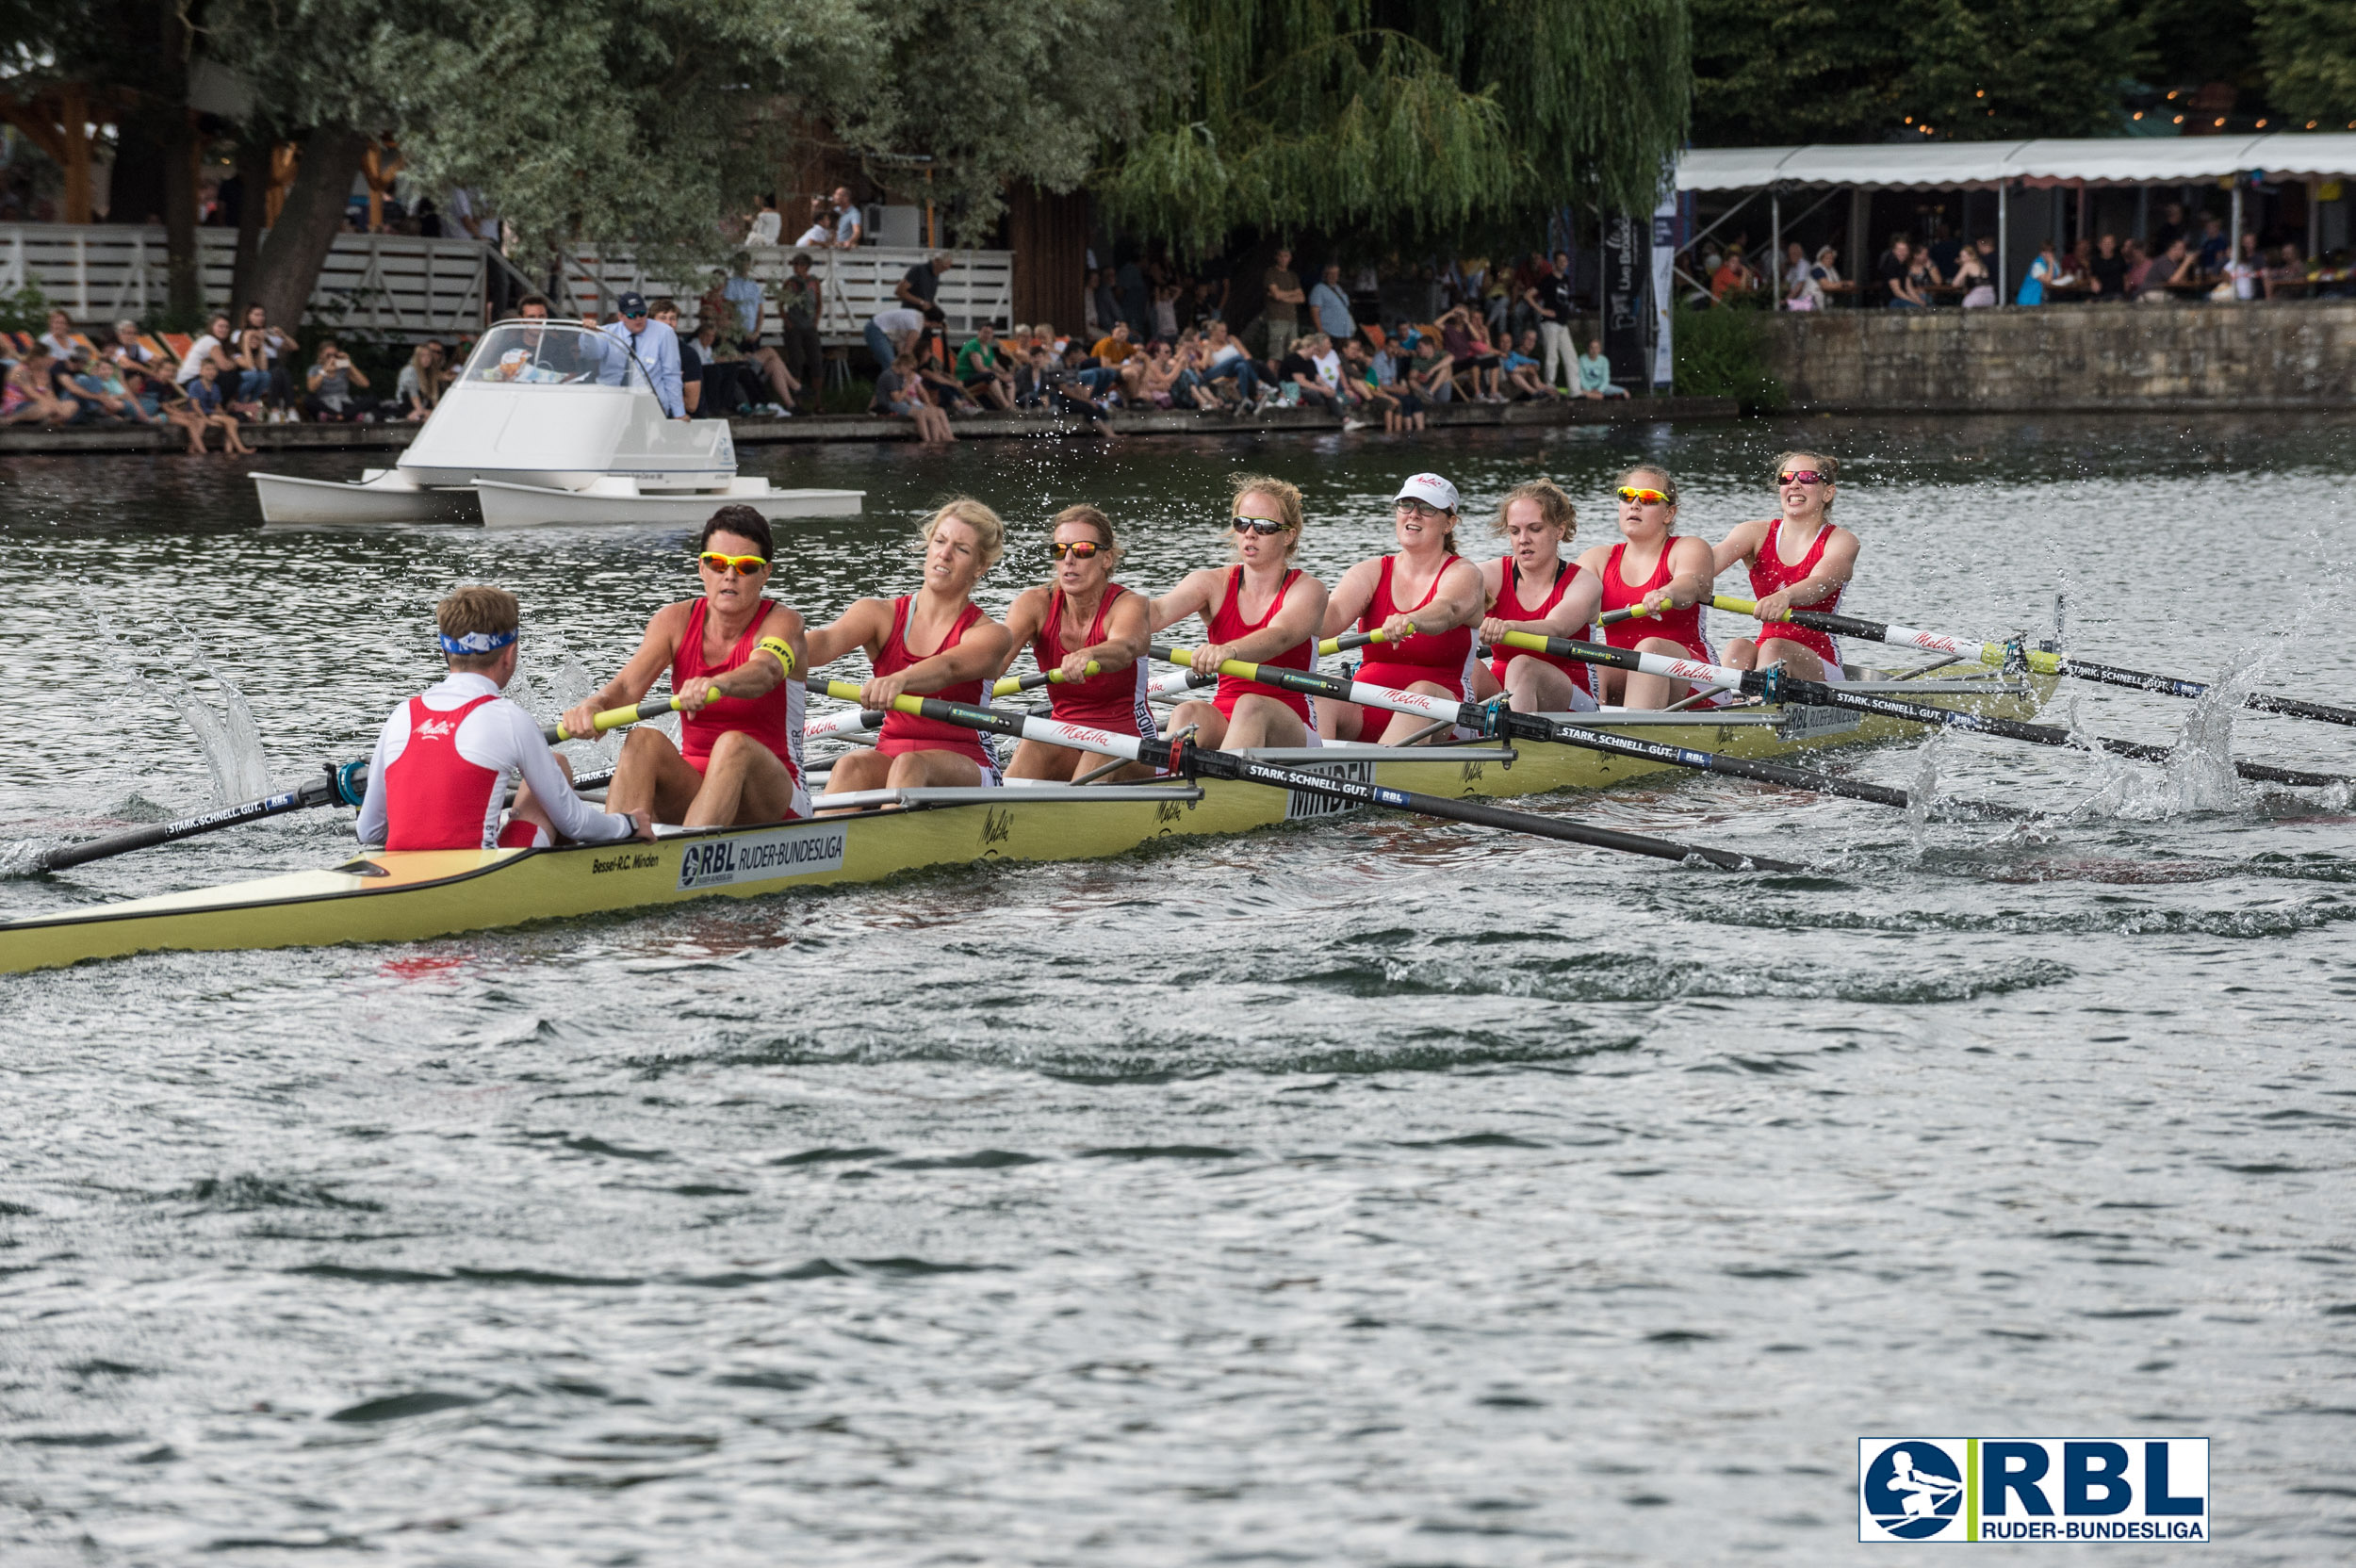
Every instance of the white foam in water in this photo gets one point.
(229, 738)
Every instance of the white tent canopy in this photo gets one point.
(2049, 161)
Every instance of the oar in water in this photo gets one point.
(335, 786)
(1504, 721)
(1775, 686)
(1187, 759)
(1999, 654)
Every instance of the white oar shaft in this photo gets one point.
(850, 722)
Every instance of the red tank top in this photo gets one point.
(1443, 657)
(1682, 626)
(1511, 608)
(1227, 625)
(1769, 575)
(434, 798)
(1115, 702)
(770, 718)
(904, 732)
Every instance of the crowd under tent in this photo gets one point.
(2029, 191)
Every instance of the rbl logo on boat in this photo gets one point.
(2033, 1488)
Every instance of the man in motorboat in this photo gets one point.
(438, 776)
(654, 346)
(735, 659)
(554, 356)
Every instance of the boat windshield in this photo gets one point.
(554, 354)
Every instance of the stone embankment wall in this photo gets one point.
(2155, 358)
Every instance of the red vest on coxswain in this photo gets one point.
(437, 799)
(1442, 658)
(1115, 702)
(1769, 575)
(1227, 625)
(904, 732)
(771, 718)
(1511, 608)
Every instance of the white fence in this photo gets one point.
(853, 284)
(395, 285)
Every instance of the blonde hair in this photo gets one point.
(989, 531)
(1554, 506)
(1090, 516)
(1668, 485)
(477, 607)
(1824, 464)
(1286, 496)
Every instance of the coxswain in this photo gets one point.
(1260, 609)
(1425, 599)
(1078, 618)
(1535, 588)
(438, 776)
(1662, 573)
(736, 660)
(966, 649)
(1798, 561)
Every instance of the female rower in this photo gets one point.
(962, 541)
(1262, 610)
(1532, 588)
(737, 760)
(1799, 560)
(1424, 599)
(1083, 617)
(1664, 574)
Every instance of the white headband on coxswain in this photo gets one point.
(476, 642)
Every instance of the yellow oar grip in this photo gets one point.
(1733, 606)
(1334, 644)
(1006, 686)
(1528, 640)
(848, 691)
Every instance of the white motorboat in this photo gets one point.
(549, 422)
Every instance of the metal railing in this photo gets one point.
(853, 284)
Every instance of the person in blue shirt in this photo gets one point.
(654, 346)
(1332, 307)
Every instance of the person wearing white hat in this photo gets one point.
(1423, 602)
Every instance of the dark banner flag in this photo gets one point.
(1624, 267)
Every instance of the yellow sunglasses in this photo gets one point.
(742, 566)
(1643, 498)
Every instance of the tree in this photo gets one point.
(2310, 51)
(1396, 120)
(1768, 74)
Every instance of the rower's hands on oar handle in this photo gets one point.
(1079, 666)
(1396, 630)
(1207, 658)
(697, 694)
(1775, 607)
(880, 691)
(1493, 632)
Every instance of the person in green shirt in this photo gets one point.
(799, 306)
(982, 368)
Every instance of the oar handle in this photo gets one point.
(613, 718)
(1349, 640)
(1006, 686)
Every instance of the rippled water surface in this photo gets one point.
(1379, 1192)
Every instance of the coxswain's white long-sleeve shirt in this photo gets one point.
(497, 735)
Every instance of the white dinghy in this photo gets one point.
(549, 422)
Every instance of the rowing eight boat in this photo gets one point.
(412, 895)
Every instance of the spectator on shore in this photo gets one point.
(1387, 391)
(1115, 347)
(1595, 373)
(1733, 275)
(1223, 358)
(28, 397)
(1550, 298)
(2172, 269)
(2287, 278)
(335, 387)
(892, 333)
(982, 368)
(2170, 228)
(2042, 271)
(1466, 341)
(1519, 366)
(1108, 305)
(2216, 249)
(1285, 299)
(253, 360)
(1945, 251)
(172, 406)
(1801, 291)
(127, 349)
(767, 223)
(2135, 267)
(99, 389)
(417, 388)
(1332, 306)
(277, 349)
(900, 393)
(205, 393)
(741, 298)
(1165, 310)
(849, 227)
(799, 306)
(58, 339)
(2107, 271)
(820, 235)
(1972, 277)
(210, 348)
(2247, 271)
(655, 348)
(1894, 272)
(1923, 277)
(1298, 372)
(919, 288)
(1827, 268)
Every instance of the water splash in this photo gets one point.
(2198, 774)
(167, 657)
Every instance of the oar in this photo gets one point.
(1775, 686)
(1349, 640)
(830, 726)
(335, 786)
(2037, 659)
(1187, 759)
(1499, 720)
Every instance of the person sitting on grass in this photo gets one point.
(901, 395)
(205, 392)
(1595, 373)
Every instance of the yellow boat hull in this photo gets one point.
(412, 895)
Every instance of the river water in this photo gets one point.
(1378, 1192)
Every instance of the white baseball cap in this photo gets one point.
(1430, 489)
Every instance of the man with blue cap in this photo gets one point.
(653, 345)
(438, 776)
